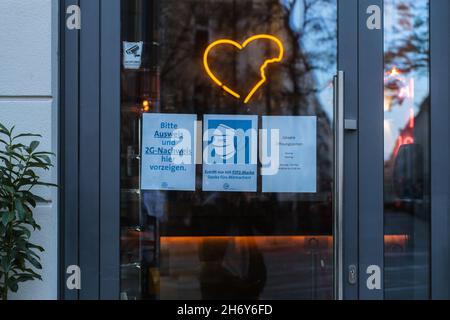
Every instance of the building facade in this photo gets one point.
(29, 100)
(254, 149)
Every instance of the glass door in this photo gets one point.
(407, 171)
(227, 149)
(394, 152)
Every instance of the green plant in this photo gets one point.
(20, 164)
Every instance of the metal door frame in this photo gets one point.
(440, 148)
(90, 144)
(348, 235)
(371, 148)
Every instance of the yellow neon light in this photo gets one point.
(240, 47)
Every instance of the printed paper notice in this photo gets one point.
(230, 153)
(168, 152)
(293, 141)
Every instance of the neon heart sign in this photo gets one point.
(241, 47)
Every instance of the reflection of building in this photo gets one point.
(406, 198)
(415, 135)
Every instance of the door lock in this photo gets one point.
(352, 274)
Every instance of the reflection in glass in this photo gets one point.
(215, 245)
(406, 149)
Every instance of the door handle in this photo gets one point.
(338, 186)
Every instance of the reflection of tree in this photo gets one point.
(310, 28)
(310, 39)
(407, 48)
(407, 64)
(406, 58)
(307, 29)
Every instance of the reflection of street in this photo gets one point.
(308, 260)
(406, 213)
(406, 261)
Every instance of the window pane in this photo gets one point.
(220, 245)
(407, 149)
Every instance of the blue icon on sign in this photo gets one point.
(229, 141)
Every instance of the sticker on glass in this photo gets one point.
(132, 54)
(168, 152)
(289, 154)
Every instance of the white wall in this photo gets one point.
(28, 100)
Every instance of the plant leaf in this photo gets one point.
(27, 135)
(33, 262)
(33, 146)
(20, 209)
(12, 285)
(3, 129)
(7, 217)
(33, 246)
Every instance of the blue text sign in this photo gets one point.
(168, 152)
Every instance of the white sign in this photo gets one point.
(230, 153)
(168, 152)
(297, 153)
(132, 54)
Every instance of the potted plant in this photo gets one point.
(20, 164)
